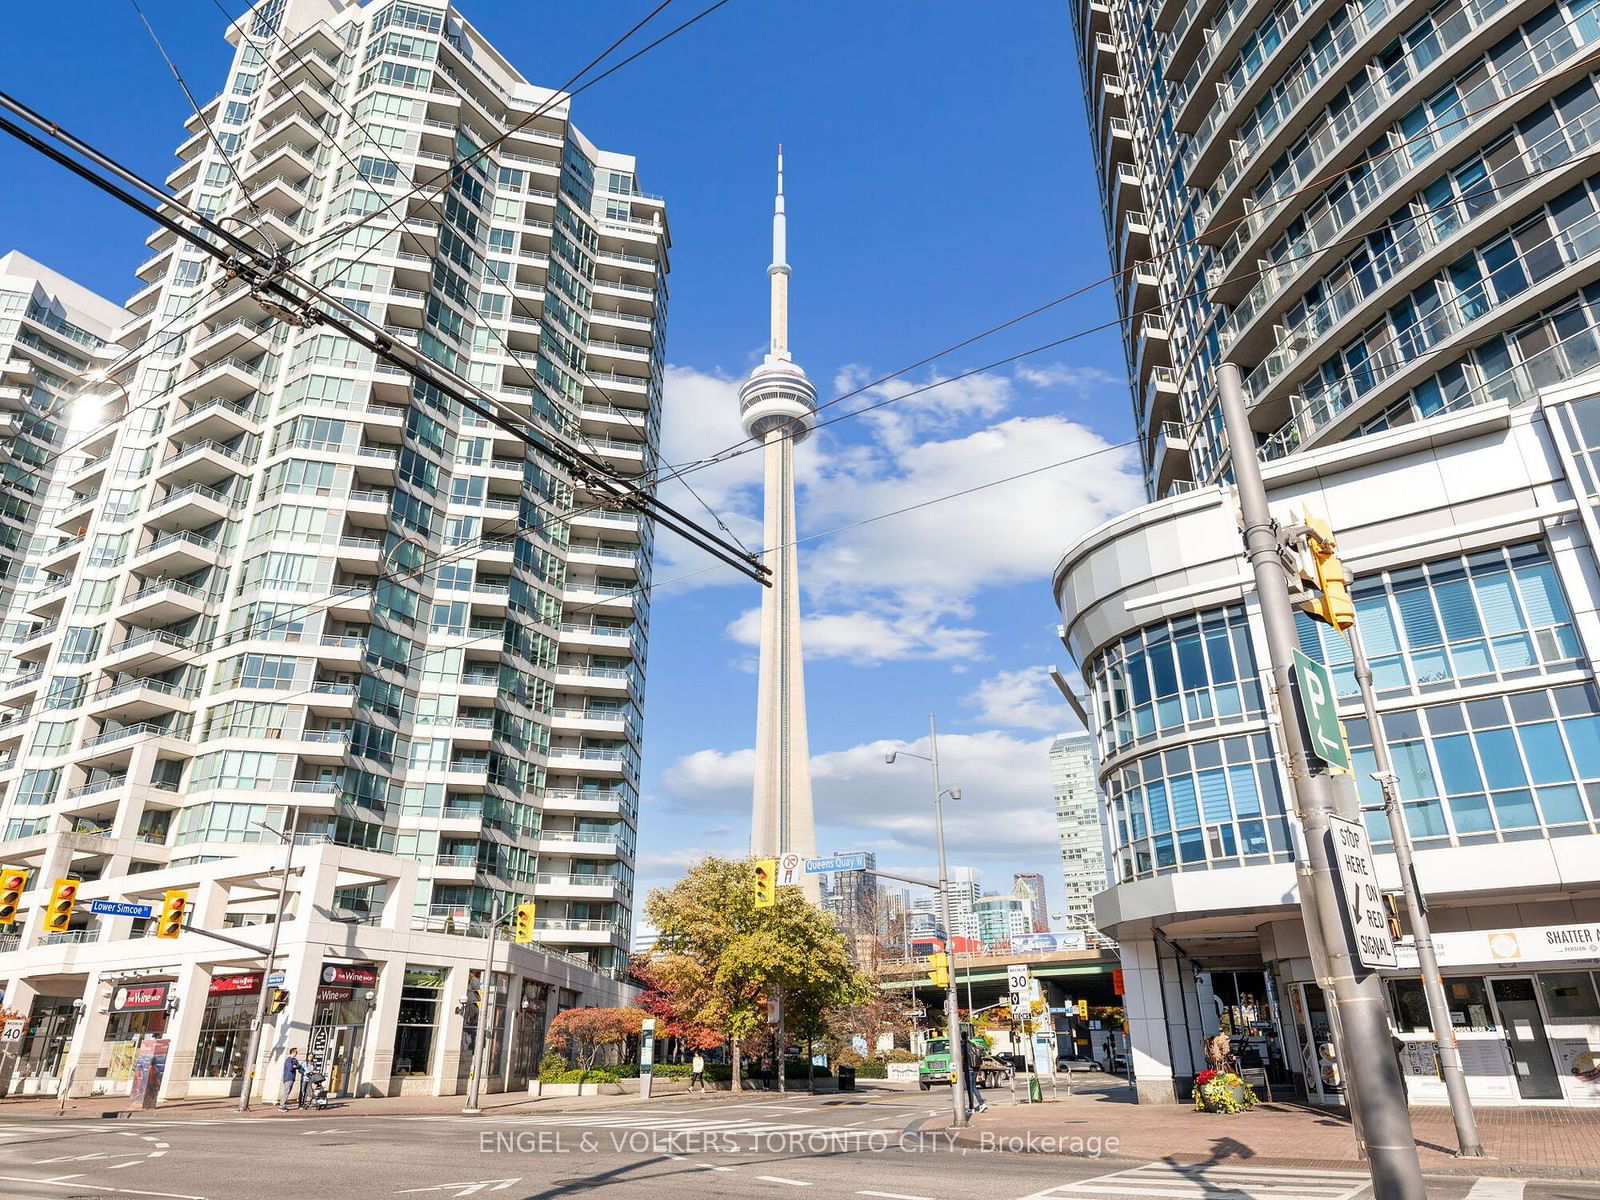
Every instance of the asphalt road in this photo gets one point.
(700, 1148)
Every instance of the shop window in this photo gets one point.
(1569, 995)
(416, 1030)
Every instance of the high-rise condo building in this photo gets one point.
(1382, 213)
(1030, 885)
(1386, 215)
(1079, 828)
(282, 593)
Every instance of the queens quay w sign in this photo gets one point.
(838, 862)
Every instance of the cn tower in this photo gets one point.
(776, 405)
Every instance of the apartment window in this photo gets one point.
(1497, 614)
(262, 671)
(37, 787)
(53, 737)
(1497, 768)
(1190, 673)
(79, 643)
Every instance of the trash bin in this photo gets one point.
(847, 1079)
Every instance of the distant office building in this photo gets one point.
(1078, 825)
(998, 919)
(851, 898)
(1032, 884)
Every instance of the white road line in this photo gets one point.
(781, 1179)
(1175, 1182)
(712, 1167)
(894, 1196)
(1497, 1189)
(71, 1181)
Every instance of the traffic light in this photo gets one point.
(63, 896)
(1083, 1010)
(173, 906)
(12, 882)
(1325, 573)
(939, 968)
(278, 1000)
(1391, 904)
(522, 922)
(766, 882)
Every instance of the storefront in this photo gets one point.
(232, 1002)
(344, 1003)
(1525, 1005)
(45, 1042)
(139, 1011)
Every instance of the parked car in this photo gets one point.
(1067, 1063)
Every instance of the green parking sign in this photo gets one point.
(1313, 686)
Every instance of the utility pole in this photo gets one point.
(1455, 1079)
(253, 1046)
(952, 1010)
(1378, 1094)
(485, 1013)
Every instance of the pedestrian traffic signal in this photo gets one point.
(173, 907)
(766, 882)
(1391, 904)
(1325, 573)
(522, 922)
(12, 882)
(278, 1000)
(63, 897)
(939, 968)
(1083, 1010)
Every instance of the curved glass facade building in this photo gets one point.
(1381, 211)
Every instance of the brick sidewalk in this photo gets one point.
(1559, 1142)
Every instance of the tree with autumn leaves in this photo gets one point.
(585, 1032)
(719, 957)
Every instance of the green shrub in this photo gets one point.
(898, 1055)
(872, 1068)
(551, 1064)
(575, 1075)
(847, 1058)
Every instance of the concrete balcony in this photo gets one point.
(113, 748)
(564, 931)
(577, 887)
(214, 419)
(606, 681)
(229, 378)
(568, 843)
(576, 760)
(585, 802)
(148, 650)
(599, 597)
(164, 602)
(203, 462)
(177, 554)
(191, 507)
(135, 700)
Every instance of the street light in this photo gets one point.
(266, 972)
(958, 1066)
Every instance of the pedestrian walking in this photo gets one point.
(697, 1072)
(292, 1067)
(766, 1071)
(972, 1059)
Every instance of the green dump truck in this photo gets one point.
(935, 1066)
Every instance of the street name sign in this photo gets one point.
(1318, 703)
(118, 908)
(1362, 895)
(836, 862)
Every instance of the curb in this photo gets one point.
(1484, 1167)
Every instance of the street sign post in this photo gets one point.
(1314, 686)
(13, 1030)
(1017, 989)
(836, 862)
(117, 908)
(1362, 896)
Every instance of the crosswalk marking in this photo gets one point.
(1497, 1189)
(1172, 1181)
(731, 1127)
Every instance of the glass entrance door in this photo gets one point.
(1525, 1039)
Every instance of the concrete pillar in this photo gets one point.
(400, 896)
(88, 1039)
(377, 1056)
(447, 1052)
(1149, 1050)
(301, 964)
(17, 998)
(183, 1029)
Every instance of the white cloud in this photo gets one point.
(868, 638)
(1004, 821)
(903, 587)
(1024, 699)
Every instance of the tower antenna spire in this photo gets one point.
(779, 270)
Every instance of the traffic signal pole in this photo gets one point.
(254, 1047)
(1378, 1094)
(952, 1008)
(485, 1014)
(1468, 1143)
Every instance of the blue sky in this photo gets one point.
(939, 181)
